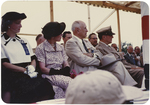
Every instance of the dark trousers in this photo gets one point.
(146, 72)
(137, 75)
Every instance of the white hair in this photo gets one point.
(129, 46)
(76, 24)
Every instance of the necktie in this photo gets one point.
(85, 46)
(133, 59)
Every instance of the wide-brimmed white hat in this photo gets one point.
(107, 60)
(99, 87)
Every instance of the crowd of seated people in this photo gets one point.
(29, 77)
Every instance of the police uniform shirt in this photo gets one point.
(16, 50)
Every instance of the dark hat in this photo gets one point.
(13, 16)
(9, 17)
(105, 31)
(53, 29)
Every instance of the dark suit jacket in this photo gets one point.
(129, 59)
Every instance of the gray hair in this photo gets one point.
(76, 24)
(129, 46)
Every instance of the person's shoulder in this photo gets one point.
(71, 40)
(21, 38)
(86, 41)
(68, 43)
(98, 46)
(126, 55)
(40, 46)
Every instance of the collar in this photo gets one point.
(104, 43)
(79, 40)
(128, 53)
(48, 46)
(6, 37)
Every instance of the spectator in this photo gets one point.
(99, 87)
(129, 55)
(105, 35)
(81, 59)
(20, 83)
(114, 46)
(66, 36)
(59, 93)
(93, 39)
(138, 56)
(52, 57)
(39, 39)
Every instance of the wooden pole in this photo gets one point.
(51, 11)
(119, 36)
(89, 18)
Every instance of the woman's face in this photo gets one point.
(15, 26)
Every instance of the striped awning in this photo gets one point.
(129, 6)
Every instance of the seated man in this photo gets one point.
(130, 58)
(84, 57)
(93, 39)
(138, 56)
(39, 39)
(66, 36)
(114, 46)
(105, 35)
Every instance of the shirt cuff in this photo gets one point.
(5, 60)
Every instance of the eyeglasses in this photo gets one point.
(93, 38)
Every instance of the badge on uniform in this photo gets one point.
(25, 48)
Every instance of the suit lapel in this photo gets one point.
(131, 58)
(80, 45)
(105, 48)
(109, 49)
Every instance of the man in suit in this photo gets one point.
(138, 56)
(84, 57)
(129, 55)
(105, 35)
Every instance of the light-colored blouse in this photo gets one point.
(53, 59)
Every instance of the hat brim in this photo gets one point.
(132, 92)
(103, 66)
(22, 16)
(62, 28)
(113, 33)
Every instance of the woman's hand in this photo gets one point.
(29, 69)
(64, 71)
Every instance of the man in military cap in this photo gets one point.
(105, 35)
